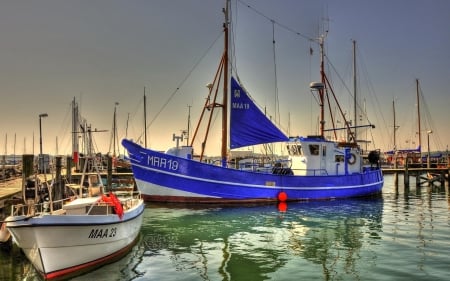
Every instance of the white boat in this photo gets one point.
(71, 236)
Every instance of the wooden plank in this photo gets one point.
(10, 188)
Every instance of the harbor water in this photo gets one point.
(401, 235)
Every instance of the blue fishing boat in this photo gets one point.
(316, 168)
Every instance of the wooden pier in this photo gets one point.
(423, 176)
(10, 189)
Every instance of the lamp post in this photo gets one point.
(428, 145)
(41, 159)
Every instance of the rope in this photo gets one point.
(181, 83)
(277, 23)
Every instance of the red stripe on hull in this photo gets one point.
(202, 200)
(89, 266)
(225, 201)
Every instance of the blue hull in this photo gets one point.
(167, 178)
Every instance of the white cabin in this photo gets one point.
(317, 156)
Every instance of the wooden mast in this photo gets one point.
(210, 102)
(354, 92)
(145, 119)
(225, 89)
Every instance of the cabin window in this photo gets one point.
(290, 149)
(294, 149)
(314, 149)
(324, 150)
(338, 158)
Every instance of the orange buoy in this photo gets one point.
(282, 207)
(282, 196)
(4, 233)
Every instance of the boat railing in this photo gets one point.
(310, 172)
(288, 171)
(127, 199)
(32, 209)
(131, 202)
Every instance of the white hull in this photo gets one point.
(60, 245)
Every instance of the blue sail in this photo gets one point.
(248, 124)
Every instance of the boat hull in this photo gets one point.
(60, 246)
(167, 178)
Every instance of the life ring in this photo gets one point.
(352, 159)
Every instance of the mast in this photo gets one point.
(188, 125)
(145, 119)
(395, 144)
(4, 156)
(418, 115)
(115, 130)
(225, 89)
(322, 90)
(395, 126)
(354, 89)
(75, 128)
(126, 130)
(14, 150)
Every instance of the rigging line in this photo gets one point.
(183, 81)
(279, 24)
(378, 106)
(277, 102)
(343, 83)
(369, 83)
(429, 121)
(231, 51)
(137, 108)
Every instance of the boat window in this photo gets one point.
(324, 150)
(339, 158)
(289, 149)
(294, 149)
(314, 149)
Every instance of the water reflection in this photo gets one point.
(259, 243)
(13, 264)
(403, 235)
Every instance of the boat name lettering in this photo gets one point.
(103, 232)
(240, 105)
(162, 162)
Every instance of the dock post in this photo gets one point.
(69, 169)
(406, 177)
(109, 176)
(448, 175)
(58, 165)
(27, 171)
(395, 168)
(58, 191)
(27, 165)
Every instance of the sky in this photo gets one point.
(103, 52)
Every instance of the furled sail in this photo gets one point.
(248, 124)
